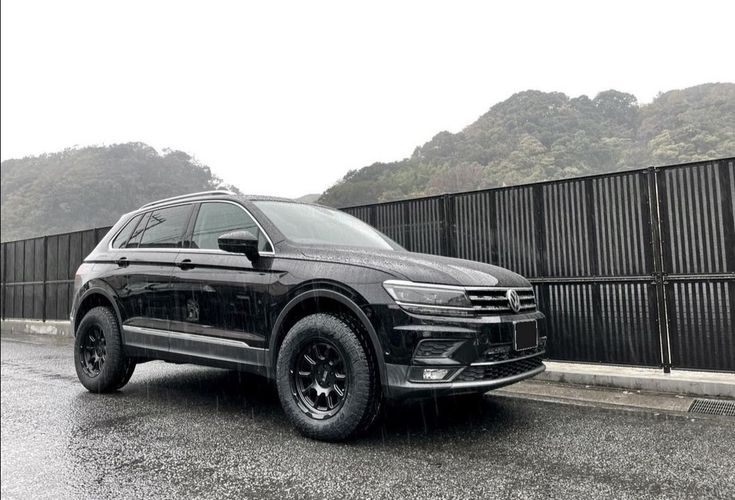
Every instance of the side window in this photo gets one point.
(134, 240)
(124, 235)
(216, 219)
(165, 227)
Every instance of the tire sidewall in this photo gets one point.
(328, 328)
(115, 364)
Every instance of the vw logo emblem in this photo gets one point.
(514, 301)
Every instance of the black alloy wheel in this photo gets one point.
(99, 358)
(327, 378)
(93, 351)
(319, 379)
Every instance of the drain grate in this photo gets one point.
(713, 407)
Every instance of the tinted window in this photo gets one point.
(216, 219)
(123, 236)
(134, 240)
(165, 227)
(315, 225)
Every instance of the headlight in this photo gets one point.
(423, 298)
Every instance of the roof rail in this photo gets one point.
(219, 192)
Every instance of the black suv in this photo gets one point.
(333, 311)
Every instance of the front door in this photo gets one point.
(220, 298)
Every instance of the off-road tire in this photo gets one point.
(115, 371)
(362, 399)
(129, 370)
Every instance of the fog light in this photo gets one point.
(435, 373)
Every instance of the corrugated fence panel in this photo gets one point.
(38, 273)
(75, 254)
(702, 325)
(424, 226)
(475, 221)
(692, 219)
(731, 170)
(390, 219)
(570, 322)
(517, 248)
(622, 225)
(3, 253)
(609, 323)
(627, 332)
(565, 226)
(697, 217)
(10, 278)
(39, 265)
(63, 252)
(362, 213)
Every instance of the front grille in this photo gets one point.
(494, 300)
(433, 348)
(480, 373)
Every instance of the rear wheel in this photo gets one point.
(98, 354)
(326, 377)
(130, 368)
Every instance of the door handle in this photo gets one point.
(185, 264)
(122, 262)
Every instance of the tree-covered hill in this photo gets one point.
(536, 136)
(92, 186)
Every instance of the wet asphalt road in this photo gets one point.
(185, 431)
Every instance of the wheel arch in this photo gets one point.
(92, 298)
(327, 301)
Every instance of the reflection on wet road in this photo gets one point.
(180, 430)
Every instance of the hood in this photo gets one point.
(418, 267)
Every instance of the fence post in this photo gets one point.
(448, 226)
(594, 261)
(45, 278)
(725, 173)
(540, 233)
(658, 266)
(493, 226)
(4, 273)
(406, 211)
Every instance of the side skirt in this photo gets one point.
(180, 347)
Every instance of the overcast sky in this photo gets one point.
(285, 97)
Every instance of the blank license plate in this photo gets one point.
(525, 336)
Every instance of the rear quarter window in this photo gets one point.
(123, 236)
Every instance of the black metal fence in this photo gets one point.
(38, 273)
(636, 267)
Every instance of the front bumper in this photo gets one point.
(400, 388)
(479, 354)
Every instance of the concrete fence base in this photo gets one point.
(37, 327)
(685, 382)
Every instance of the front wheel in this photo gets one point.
(99, 360)
(327, 380)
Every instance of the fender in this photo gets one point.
(372, 334)
(96, 289)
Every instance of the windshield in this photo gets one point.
(314, 225)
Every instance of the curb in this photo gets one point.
(685, 382)
(36, 327)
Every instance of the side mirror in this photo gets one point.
(239, 242)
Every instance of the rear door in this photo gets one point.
(221, 299)
(142, 279)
